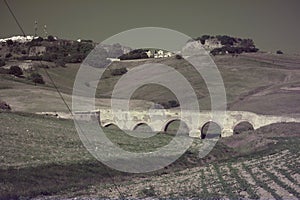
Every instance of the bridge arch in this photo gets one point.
(243, 125)
(147, 127)
(210, 129)
(184, 127)
(110, 125)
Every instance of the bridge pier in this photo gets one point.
(196, 133)
(129, 119)
(226, 132)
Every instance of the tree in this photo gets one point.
(15, 70)
(50, 38)
(279, 52)
(9, 42)
(36, 78)
(38, 39)
(60, 62)
(118, 71)
(178, 56)
(203, 38)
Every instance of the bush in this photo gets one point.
(15, 70)
(135, 54)
(233, 50)
(23, 52)
(178, 56)
(279, 52)
(9, 42)
(118, 71)
(2, 63)
(4, 106)
(60, 62)
(36, 78)
(148, 191)
(226, 40)
(50, 38)
(203, 38)
(38, 39)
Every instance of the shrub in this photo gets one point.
(15, 70)
(148, 191)
(279, 52)
(36, 78)
(60, 62)
(203, 38)
(38, 39)
(9, 42)
(23, 52)
(2, 63)
(135, 54)
(4, 106)
(178, 56)
(50, 38)
(118, 71)
(226, 40)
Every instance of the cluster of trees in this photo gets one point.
(17, 71)
(203, 38)
(233, 50)
(134, 54)
(224, 39)
(230, 44)
(61, 52)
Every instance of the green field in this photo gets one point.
(44, 156)
(250, 83)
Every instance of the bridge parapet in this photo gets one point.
(159, 119)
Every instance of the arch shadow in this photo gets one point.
(176, 125)
(242, 126)
(210, 130)
(142, 127)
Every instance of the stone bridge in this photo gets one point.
(160, 120)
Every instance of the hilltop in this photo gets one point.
(249, 78)
(253, 164)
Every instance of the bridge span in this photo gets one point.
(159, 120)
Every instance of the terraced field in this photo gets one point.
(274, 176)
(43, 158)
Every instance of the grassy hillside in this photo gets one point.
(44, 156)
(262, 83)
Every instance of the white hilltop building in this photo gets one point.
(18, 38)
(162, 54)
(159, 54)
(149, 54)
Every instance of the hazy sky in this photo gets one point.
(273, 24)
